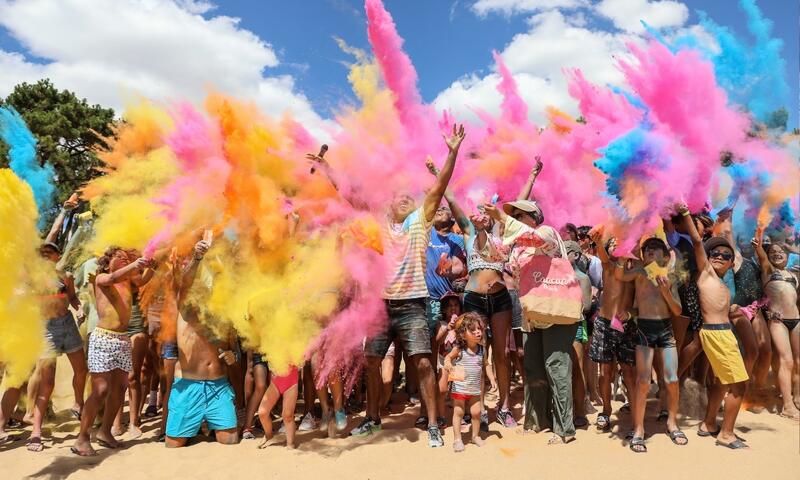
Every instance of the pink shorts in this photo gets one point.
(285, 382)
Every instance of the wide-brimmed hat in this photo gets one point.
(524, 205)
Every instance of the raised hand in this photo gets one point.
(481, 222)
(492, 211)
(454, 140)
(200, 249)
(681, 208)
(537, 169)
(431, 167)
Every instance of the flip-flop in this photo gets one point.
(9, 439)
(675, 435)
(82, 454)
(105, 444)
(14, 424)
(701, 433)
(734, 445)
(637, 442)
(603, 422)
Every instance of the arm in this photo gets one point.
(628, 275)
(670, 294)
(525, 193)
(758, 246)
(69, 281)
(189, 273)
(435, 194)
(461, 218)
(108, 279)
(724, 227)
(69, 205)
(600, 248)
(697, 242)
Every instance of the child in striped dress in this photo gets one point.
(464, 368)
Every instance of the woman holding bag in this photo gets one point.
(551, 304)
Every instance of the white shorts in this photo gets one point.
(109, 350)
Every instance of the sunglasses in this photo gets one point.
(519, 214)
(723, 255)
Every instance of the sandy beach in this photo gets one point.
(401, 452)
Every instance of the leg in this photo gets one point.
(744, 332)
(578, 383)
(606, 377)
(537, 389)
(519, 353)
(387, 374)
(30, 392)
(427, 385)
(268, 402)
(680, 325)
(794, 340)
(287, 412)
(309, 390)
(629, 380)
(501, 327)
(79, 372)
(716, 392)
(100, 386)
(118, 383)
(475, 406)
(7, 407)
(689, 354)
(373, 370)
(783, 349)
(644, 366)
(138, 351)
(47, 372)
(169, 378)
(733, 402)
(669, 359)
(764, 345)
(227, 437)
(590, 373)
(458, 414)
(259, 387)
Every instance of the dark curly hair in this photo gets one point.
(465, 323)
(104, 262)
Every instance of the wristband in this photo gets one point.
(686, 213)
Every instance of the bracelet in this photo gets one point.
(686, 213)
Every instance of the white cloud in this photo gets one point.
(627, 14)
(509, 7)
(536, 59)
(160, 49)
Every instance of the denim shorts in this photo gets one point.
(62, 336)
(487, 304)
(655, 333)
(516, 310)
(433, 312)
(169, 350)
(408, 325)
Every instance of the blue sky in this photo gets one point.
(446, 39)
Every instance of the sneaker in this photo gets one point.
(307, 424)
(441, 423)
(506, 419)
(323, 423)
(485, 421)
(435, 437)
(367, 426)
(341, 420)
(466, 423)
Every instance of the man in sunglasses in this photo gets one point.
(714, 258)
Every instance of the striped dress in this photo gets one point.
(472, 363)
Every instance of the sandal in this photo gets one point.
(704, 433)
(637, 445)
(151, 411)
(35, 444)
(558, 440)
(74, 450)
(734, 445)
(603, 422)
(675, 435)
(247, 434)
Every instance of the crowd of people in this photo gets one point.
(466, 313)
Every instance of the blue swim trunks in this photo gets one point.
(192, 401)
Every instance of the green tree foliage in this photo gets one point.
(69, 132)
(778, 119)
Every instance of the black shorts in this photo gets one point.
(258, 359)
(655, 333)
(608, 345)
(488, 304)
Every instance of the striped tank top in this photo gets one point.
(472, 363)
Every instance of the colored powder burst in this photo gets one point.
(22, 158)
(21, 317)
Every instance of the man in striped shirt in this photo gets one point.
(406, 237)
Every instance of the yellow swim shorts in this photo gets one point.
(722, 351)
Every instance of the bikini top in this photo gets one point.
(777, 276)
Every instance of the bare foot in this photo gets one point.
(525, 431)
(458, 446)
(478, 441)
(264, 444)
(106, 440)
(83, 448)
(790, 412)
(134, 432)
(28, 419)
(117, 431)
(290, 446)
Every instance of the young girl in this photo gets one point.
(464, 369)
(285, 386)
